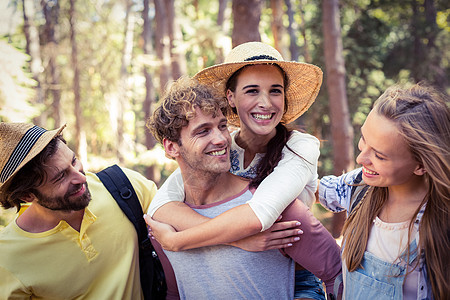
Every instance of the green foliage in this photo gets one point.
(378, 37)
(15, 86)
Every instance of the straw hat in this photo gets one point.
(304, 79)
(20, 143)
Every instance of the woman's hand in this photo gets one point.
(162, 232)
(280, 235)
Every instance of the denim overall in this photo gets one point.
(377, 279)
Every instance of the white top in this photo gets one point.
(388, 241)
(294, 176)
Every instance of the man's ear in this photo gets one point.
(28, 197)
(172, 148)
(420, 170)
(230, 98)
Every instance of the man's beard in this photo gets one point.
(66, 202)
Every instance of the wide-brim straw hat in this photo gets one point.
(304, 80)
(20, 143)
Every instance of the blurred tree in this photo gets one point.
(379, 39)
(342, 131)
(220, 21)
(221, 12)
(178, 61)
(246, 17)
(293, 47)
(162, 41)
(306, 50)
(50, 9)
(151, 171)
(33, 50)
(277, 24)
(425, 31)
(123, 95)
(81, 151)
(15, 86)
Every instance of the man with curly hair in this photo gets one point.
(191, 124)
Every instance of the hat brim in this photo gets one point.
(303, 86)
(40, 144)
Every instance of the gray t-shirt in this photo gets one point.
(226, 272)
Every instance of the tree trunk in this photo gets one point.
(418, 49)
(82, 153)
(178, 61)
(293, 48)
(307, 58)
(277, 24)
(51, 14)
(246, 17)
(162, 44)
(123, 101)
(341, 129)
(220, 19)
(437, 74)
(151, 172)
(221, 12)
(306, 53)
(34, 51)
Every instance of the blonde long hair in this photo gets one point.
(422, 116)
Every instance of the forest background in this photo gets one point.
(100, 66)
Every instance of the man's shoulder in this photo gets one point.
(238, 184)
(9, 239)
(5, 231)
(132, 175)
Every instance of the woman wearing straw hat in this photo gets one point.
(264, 92)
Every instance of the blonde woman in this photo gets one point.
(396, 239)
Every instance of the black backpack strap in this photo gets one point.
(152, 275)
(118, 184)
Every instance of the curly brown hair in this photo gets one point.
(178, 106)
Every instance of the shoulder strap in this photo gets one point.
(151, 272)
(118, 184)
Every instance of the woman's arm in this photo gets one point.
(285, 183)
(280, 235)
(293, 176)
(240, 221)
(171, 190)
(335, 191)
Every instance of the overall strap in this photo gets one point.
(413, 251)
(337, 284)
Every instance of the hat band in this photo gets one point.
(20, 152)
(260, 57)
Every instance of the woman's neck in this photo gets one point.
(252, 144)
(404, 200)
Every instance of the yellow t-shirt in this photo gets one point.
(99, 262)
